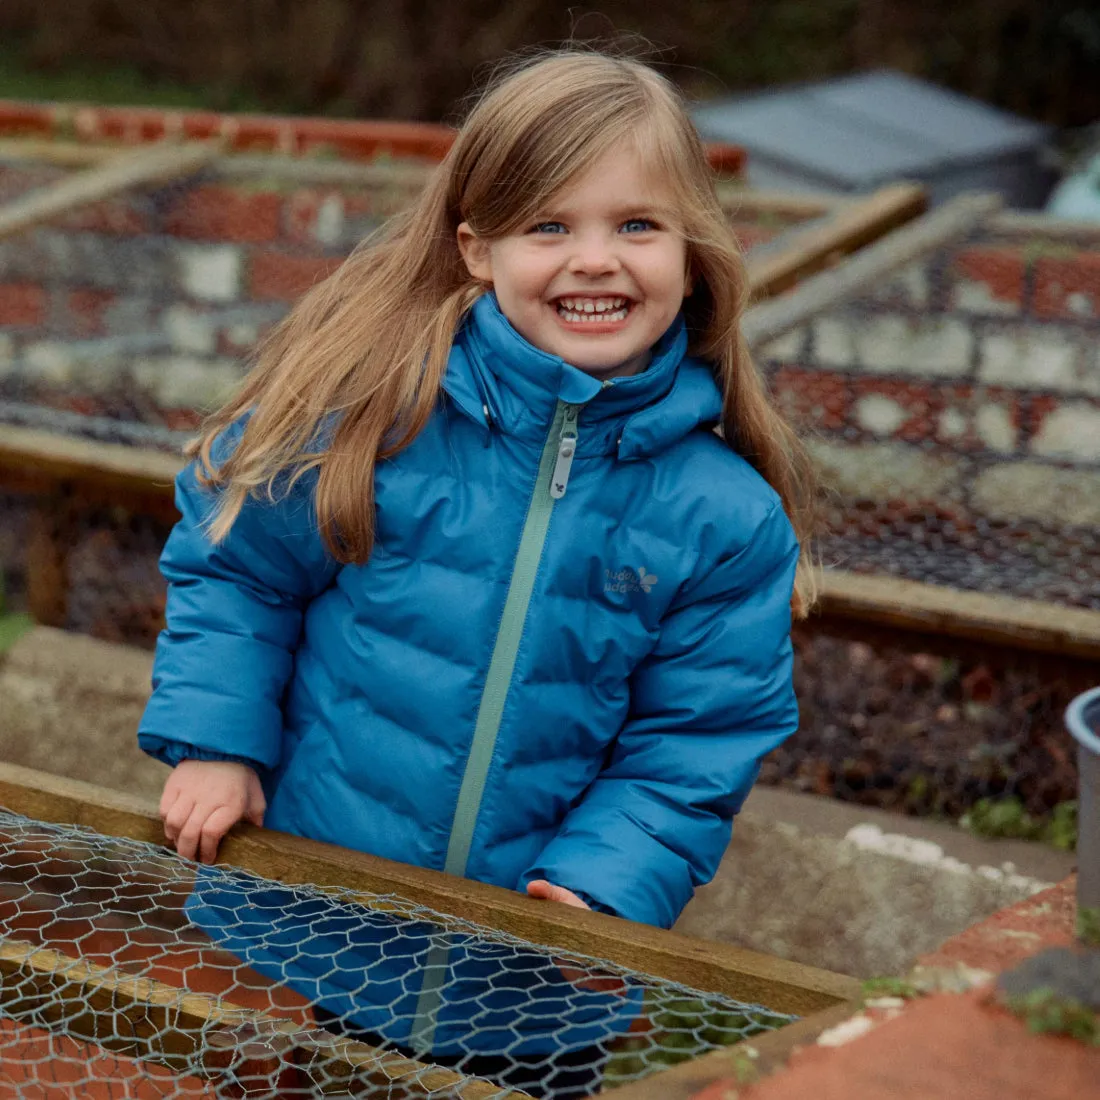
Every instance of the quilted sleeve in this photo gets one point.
(710, 701)
(234, 616)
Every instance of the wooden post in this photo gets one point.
(153, 164)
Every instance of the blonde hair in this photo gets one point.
(354, 371)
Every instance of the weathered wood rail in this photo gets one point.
(714, 967)
(66, 474)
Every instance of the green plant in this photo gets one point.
(1007, 818)
(13, 625)
(1088, 927)
(1046, 1013)
(889, 987)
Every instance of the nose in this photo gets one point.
(594, 254)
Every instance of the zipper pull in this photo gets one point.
(567, 448)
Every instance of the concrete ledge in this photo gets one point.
(821, 882)
(860, 891)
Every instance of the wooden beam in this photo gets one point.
(808, 248)
(1029, 625)
(147, 1019)
(65, 458)
(733, 972)
(145, 167)
(1009, 622)
(868, 267)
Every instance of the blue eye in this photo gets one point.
(638, 225)
(547, 227)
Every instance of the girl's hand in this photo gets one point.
(203, 800)
(574, 974)
(547, 891)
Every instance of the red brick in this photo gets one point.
(22, 304)
(115, 217)
(1068, 288)
(749, 235)
(1000, 269)
(922, 403)
(222, 214)
(812, 398)
(85, 310)
(301, 210)
(277, 276)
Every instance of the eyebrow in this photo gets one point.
(655, 210)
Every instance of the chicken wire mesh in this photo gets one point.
(127, 971)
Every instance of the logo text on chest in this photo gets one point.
(628, 580)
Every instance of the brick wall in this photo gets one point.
(955, 412)
(143, 308)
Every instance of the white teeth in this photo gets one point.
(575, 317)
(584, 307)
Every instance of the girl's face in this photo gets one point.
(598, 275)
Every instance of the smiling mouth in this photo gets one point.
(607, 310)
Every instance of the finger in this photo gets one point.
(167, 797)
(547, 891)
(187, 842)
(177, 817)
(256, 812)
(214, 828)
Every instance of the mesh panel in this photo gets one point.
(127, 971)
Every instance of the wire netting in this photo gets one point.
(126, 971)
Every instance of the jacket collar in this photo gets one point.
(495, 376)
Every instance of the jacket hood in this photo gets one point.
(500, 379)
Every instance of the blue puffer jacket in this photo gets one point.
(564, 660)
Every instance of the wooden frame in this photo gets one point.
(716, 967)
(100, 997)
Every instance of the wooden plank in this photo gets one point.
(148, 166)
(805, 249)
(868, 267)
(739, 1065)
(68, 458)
(142, 1018)
(710, 966)
(1029, 625)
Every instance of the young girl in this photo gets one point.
(464, 576)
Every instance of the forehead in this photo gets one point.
(619, 177)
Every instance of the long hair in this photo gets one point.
(354, 371)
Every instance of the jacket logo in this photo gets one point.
(628, 580)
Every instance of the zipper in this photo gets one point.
(551, 481)
(567, 448)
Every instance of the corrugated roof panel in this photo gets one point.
(960, 126)
(867, 128)
(794, 130)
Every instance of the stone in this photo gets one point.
(1071, 431)
(885, 471)
(882, 416)
(211, 273)
(996, 428)
(189, 330)
(187, 382)
(1036, 491)
(1031, 358)
(788, 348)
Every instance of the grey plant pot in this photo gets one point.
(1083, 722)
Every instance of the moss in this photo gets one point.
(1046, 1013)
(1007, 818)
(1088, 927)
(889, 987)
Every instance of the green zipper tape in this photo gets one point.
(497, 682)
